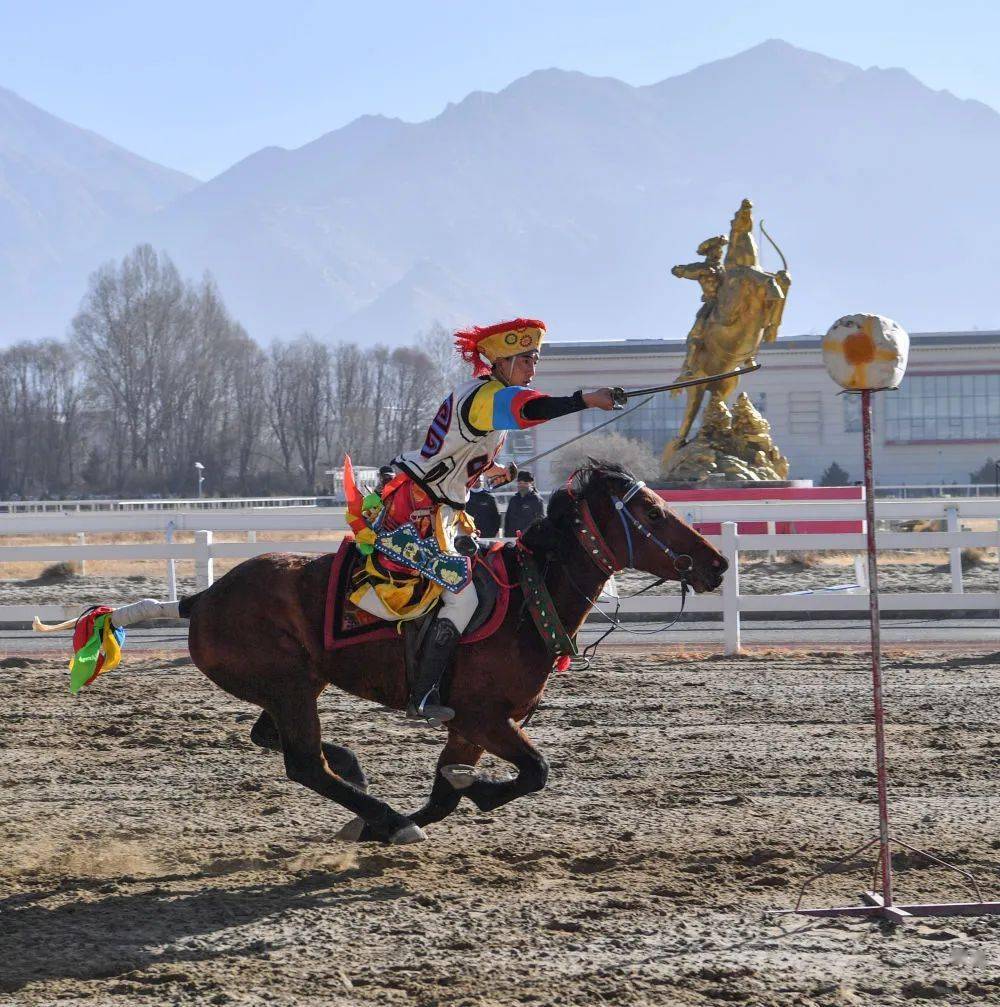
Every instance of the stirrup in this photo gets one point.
(431, 709)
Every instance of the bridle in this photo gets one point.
(589, 536)
(602, 555)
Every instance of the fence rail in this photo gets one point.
(730, 603)
(124, 506)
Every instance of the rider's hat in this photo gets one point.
(711, 244)
(505, 339)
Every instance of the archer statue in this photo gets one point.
(742, 305)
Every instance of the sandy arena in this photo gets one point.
(153, 855)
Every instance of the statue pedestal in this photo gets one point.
(685, 500)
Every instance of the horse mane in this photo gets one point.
(549, 534)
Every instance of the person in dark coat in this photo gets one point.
(386, 474)
(524, 507)
(484, 510)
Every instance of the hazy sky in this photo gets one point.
(200, 85)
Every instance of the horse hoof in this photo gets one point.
(460, 777)
(408, 834)
(351, 832)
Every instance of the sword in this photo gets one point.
(622, 395)
(524, 462)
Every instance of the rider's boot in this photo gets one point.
(425, 697)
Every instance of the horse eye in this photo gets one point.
(654, 514)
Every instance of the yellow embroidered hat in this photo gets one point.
(494, 342)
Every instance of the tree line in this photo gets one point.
(156, 375)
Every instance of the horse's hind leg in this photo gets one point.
(297, 721)
(506, 740)
(455, 764)
(341, 760)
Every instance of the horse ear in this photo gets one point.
(562, 504)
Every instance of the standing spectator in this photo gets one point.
(483, 508)
(524, 507)
(386, 474)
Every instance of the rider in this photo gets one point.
(709, 276)
(462, 444)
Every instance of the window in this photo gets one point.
(655, 423)
(519, 444)
(852, 412)
(805, 413)
(944, 407)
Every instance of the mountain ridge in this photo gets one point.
(568, 196)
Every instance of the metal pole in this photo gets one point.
(885, 856)
(731, 588)
(171, 565)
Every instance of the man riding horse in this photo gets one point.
(414, 560)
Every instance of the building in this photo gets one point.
(942, 424)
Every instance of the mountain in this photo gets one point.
(568, 197)
(61, 190)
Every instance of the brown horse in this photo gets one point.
(258, 633)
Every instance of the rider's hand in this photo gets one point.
(599, 399)
(500, 475)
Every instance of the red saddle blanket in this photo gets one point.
(344, 624)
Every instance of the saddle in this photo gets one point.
(344, 624)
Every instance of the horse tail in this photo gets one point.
(138, 611)
(186, 605)
(44, 627)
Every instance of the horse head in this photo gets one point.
(620, 523)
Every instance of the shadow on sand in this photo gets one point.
(92, 937)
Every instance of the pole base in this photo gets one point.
(874, 904)
(873, 907)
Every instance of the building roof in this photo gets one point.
(625, 347)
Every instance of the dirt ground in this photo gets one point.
(152, 855)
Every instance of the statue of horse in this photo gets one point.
(258, 634)
(745, 312)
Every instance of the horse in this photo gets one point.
(257, 633)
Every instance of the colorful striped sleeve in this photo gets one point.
(499, 407)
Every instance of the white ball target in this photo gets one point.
(866, 352)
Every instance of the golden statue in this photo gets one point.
(742, 305)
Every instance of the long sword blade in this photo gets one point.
(523, 463)
(630, 392)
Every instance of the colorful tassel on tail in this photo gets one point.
(97, 644)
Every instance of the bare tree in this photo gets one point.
(310, 403)
(129, 330)
(247, 382)
(636, 456)
(41, 433)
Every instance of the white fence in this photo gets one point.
(196, 503)
(730, 602)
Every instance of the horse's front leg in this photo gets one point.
(507, 741)
(455, 770)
